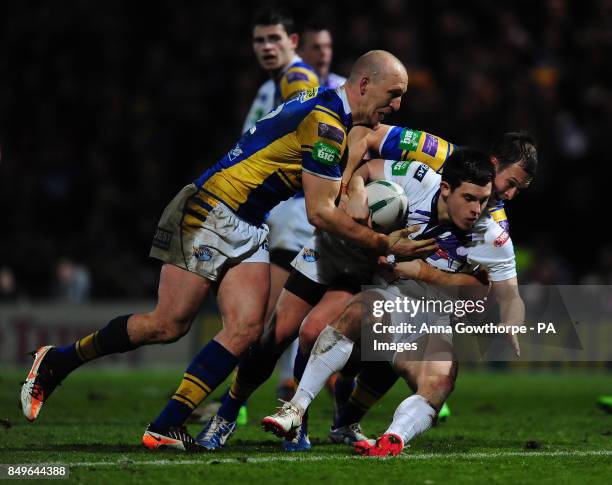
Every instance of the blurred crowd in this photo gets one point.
(108, 108)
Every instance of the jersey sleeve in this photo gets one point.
(416, 178)
(495, 254)
(297, 79)
(406, 144)
(323, 142)
(498, 213)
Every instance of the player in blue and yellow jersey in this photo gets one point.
(212, 235)
(274, 44)
(297, 299)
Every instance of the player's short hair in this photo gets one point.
(468, 165)
(273, 15)
(517, 147)
(314, 25)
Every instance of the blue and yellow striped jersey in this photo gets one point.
(407, 144)
(298, 77)
(265, 167)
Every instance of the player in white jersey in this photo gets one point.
(316, 48)
(448, 207)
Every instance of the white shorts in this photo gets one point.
(289, 226)
(326, 259)
(206, 249)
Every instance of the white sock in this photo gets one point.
(329, 355)
(412, 417)
(285, 363)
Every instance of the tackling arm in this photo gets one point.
(511, 307)
(320, 194)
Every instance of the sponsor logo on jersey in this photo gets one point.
(326, 154)
(202, 253)
(501, 239)
(162, 239)
(310, 255)
(235, 152)
(430, 145)
(409, 139)
(308, 94)
(296, 76)
(400, 168)
(420, 173)
(331, 132)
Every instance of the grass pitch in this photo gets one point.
(506, 428)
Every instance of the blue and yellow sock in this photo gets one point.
(255, 368)
(208, 369)
(111, 339)
(373, 382)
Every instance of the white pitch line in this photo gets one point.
(314, 458)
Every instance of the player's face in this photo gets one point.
(384, 96)
(510, 181)
(317, 50)
(273, 47)
(466, 203)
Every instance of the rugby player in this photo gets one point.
(318, 290)
(212, 234)
(515, 158)
(452, 206)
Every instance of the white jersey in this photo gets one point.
(333, 81)
(487, 244)
(327, 257)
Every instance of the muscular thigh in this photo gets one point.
(180, 294)
(243, 293)
(284, 323)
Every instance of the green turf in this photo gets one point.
(505, 428)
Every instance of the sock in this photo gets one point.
(111, 339)
(285, 363)
(342, 392)
(255, 368)
(208, 369)
(412, 417)
(329, 355)
(373, 382)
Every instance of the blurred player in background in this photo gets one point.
(274, 43)
(317, 49)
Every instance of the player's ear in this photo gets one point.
(495, 162)
(363, 85)
(445, 189)
(295, 39)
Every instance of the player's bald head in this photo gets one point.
(377, 65)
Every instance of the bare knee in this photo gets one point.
(238, 334)
(309, 332)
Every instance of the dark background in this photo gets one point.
(108, 108)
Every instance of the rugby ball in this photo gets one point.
(388, 205)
